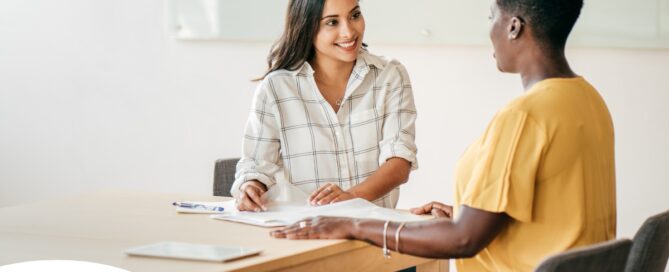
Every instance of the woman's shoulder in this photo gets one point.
(303, 69)
(281, 83)
(281, 73)
(380, 61)
(549, 94)
(283, 76)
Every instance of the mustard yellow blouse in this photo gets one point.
(547, 161)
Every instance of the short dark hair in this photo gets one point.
(551, 20)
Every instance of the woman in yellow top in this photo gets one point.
(539, 181)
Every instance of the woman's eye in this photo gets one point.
(356, 15)
(331, 22)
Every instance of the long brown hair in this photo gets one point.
(296, 44)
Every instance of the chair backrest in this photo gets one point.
(606, 256)
(650, 249)
(224, 176)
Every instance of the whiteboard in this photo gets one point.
(603, 23)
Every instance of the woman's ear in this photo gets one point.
(516, 26)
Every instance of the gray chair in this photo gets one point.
(224, 176)
(650, 249)
(606, 256)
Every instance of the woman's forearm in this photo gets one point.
(439, 238)
(391, 174)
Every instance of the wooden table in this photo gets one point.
(99, 227)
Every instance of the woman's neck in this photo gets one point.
(330, 72)
(541, 66)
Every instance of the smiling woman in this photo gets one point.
(328, 116)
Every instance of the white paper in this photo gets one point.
(284, 195)
(356, 208)
(287, 204)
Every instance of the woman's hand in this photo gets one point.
(435, 208)
(329, 193)
(318, 228)
(249, 198)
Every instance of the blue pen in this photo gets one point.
(188, 205)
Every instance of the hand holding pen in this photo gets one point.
(250, 196)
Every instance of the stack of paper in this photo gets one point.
(287, 204)
(282, 216)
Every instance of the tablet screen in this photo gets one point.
(188, 251)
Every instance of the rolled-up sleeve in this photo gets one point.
(399, 129)
(261, 146)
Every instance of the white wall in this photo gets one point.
(94, 95)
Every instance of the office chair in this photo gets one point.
(650, 248)
(607, 256)
(224, 176)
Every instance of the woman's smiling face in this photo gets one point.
(340, 32)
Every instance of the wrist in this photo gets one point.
(356, 229)
(253, 183)
(361, 228)
(353, 194)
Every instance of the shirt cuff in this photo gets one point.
(398, 150)
(234, 190)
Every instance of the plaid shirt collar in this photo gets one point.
(362, 65)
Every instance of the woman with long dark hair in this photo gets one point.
(328, 117)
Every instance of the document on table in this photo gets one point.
(282, 216)
(277, 198)
(287, 204)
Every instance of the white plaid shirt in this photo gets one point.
(293, 134)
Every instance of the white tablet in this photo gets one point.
(188, 251)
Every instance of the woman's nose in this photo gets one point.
(346, 30)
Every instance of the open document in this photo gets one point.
(287, 204)
(356, 208)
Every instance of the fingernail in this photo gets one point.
(257, 209)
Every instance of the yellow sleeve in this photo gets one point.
(504, 172)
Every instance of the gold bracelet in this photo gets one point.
(397, 238)
(386, 252)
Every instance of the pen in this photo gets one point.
(188, 205)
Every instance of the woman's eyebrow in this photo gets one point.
(335, 15)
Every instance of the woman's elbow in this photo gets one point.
(469, 251)
(463, 247)
(403, 170)
(404, 177)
